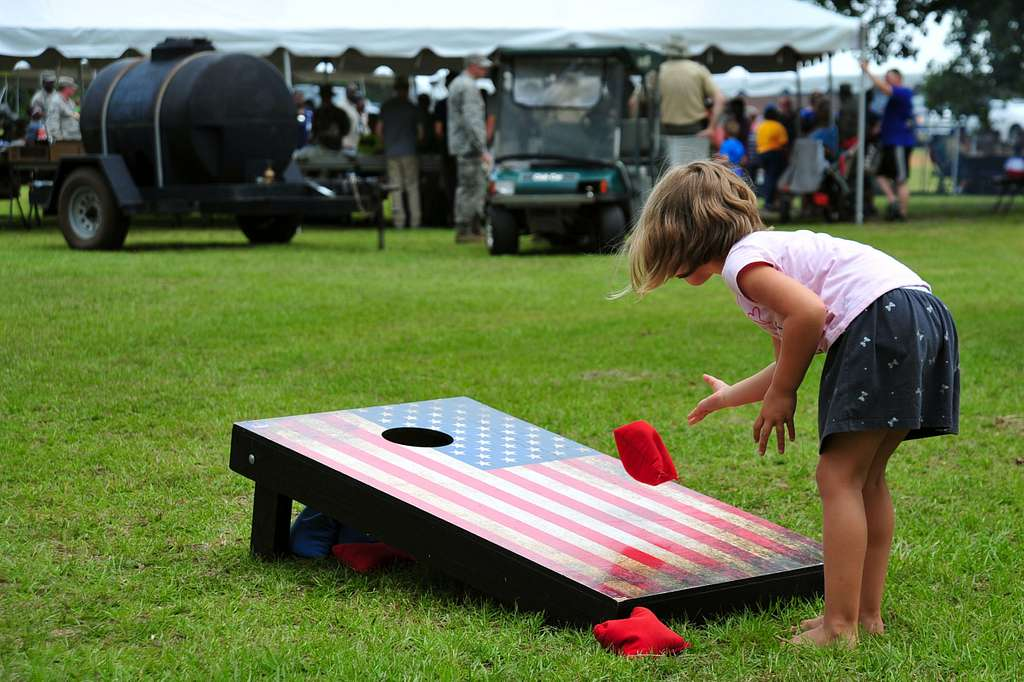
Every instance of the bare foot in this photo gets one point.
(820, 636)
(871, 625)
(808, 624)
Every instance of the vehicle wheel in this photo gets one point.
(276, 229)
(502, 231)
(611, 228)
(88, 214)
(1016, 135)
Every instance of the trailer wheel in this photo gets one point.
(88, 214)
(260, 229)
(611, 228)
(502, 231)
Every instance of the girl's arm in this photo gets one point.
(803, 319)
(749, 390)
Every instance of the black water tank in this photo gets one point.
(223, 117)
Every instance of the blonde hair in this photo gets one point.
(694, 215)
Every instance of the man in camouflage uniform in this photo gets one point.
(61, 117)
(467, 142)
(41, 98)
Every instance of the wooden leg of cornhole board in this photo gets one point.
(271, 516)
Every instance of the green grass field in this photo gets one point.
(124, 536)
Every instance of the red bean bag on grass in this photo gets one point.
(642, 633)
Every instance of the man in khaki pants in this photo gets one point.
(686, 126)
(400, 129)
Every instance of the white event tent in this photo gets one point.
(761, 35)
(412, 36)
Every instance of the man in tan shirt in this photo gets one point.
(686, 129)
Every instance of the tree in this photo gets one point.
(891, 24)
(987, 37)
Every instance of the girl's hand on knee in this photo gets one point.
(712, 403)
(776, 415)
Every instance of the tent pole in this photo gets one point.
(287, 63)
(831, 89)
(861, 136)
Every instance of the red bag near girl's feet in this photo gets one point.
(641, 633)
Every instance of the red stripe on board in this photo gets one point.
(713, 521)
(782, 530)
(510, 474)
(594, 535)
(805, 550)
(445, 515)
(479, 483)
(481, 486)
(583, 555)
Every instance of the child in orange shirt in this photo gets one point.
(771, 139)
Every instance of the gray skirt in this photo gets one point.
(897, 366)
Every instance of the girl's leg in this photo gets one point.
(879, 517)
(879, 514)
(842, 471)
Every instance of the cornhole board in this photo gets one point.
(521, 513)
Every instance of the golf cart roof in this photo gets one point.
(636, 59)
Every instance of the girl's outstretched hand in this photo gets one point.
(713, 402)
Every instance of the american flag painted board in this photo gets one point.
(545, 518)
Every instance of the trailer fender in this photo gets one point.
(113, 168)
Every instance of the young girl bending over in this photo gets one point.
(891, 372)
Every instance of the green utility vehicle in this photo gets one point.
(574, 153)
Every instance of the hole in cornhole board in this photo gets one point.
(418, 437)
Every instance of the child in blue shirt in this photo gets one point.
(732, 149)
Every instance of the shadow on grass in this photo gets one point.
(408, 582)
(186, 246)
(183, 247)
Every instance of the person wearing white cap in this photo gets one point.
(61, 117)
(467, 142)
